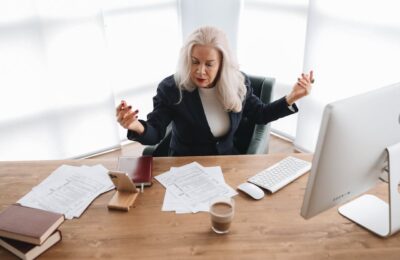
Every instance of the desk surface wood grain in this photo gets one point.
(271, 228)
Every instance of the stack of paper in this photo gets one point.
(191, 187)
(69, 190)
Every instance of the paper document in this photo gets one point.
(69, 190)
(192, 186)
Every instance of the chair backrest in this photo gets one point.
(161, 149)
(250, 138)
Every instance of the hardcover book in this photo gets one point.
(28, 224)
(138, 168)
(28, 251)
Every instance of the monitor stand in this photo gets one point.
(373, 213)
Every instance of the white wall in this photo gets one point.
(219, 13)
(353, 47)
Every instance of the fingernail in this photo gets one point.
(129, 107)
(137, 111)
(136, 116)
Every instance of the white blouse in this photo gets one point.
(217, 117)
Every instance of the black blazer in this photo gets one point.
(191, 134)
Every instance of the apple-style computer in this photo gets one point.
(358, 143)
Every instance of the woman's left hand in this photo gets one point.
(301, 88)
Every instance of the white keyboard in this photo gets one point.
(281, 173)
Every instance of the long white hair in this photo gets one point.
(231, 89)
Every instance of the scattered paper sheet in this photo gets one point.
(69, 190)
(192, 186)
(172, 203)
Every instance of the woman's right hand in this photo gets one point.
(128, 119)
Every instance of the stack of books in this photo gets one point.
(28, 232)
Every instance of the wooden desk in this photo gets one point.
(271, 228)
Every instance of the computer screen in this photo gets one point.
(350, 153)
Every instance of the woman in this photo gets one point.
(205, 100)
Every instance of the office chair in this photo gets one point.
(250, 138)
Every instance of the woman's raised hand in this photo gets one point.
(301, 88)
(127, 118)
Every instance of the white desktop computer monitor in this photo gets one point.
(351, 154)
